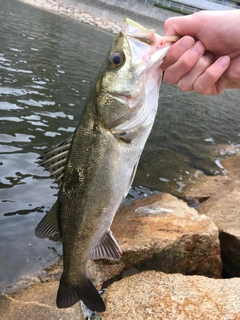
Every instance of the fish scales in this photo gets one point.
(102, 157)
(93, 188)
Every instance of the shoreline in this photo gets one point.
(77, 13)
(106, 15)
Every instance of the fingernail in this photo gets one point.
(186, 43)
(199, 48)
(224, 61)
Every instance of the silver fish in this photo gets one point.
(95, 168)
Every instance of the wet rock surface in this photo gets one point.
(207, 186)
(232, 165)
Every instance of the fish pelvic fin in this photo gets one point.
(48, 226)
(69, 294)
(108, 248)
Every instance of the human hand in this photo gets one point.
(207, 58)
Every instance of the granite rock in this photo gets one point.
(36, 302)
(155, 295)
(162, 233)
(224, 209)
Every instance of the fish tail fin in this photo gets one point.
(69, 294)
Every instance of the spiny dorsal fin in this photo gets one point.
(54, 160)
(48, 226)
(108, 248)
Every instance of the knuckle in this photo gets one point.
(169, 77)
(186, 64)
(205, 61)
(184, 85)
(169, 22)
(198, 87)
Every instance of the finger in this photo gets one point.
(184, 64)
(232, 73)
(178, 26)
(186, 82)
(176, 51)
(206, 83)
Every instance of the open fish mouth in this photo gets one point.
(146, 44)
(147, 50)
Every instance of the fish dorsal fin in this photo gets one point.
(108, 248)
(54, 159)
(48, 226)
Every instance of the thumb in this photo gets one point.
(179, 26)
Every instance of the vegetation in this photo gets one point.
(170, 9)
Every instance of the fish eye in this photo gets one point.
(116, 59)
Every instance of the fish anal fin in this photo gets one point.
(48, 226)
(108, 248)
(69, 294)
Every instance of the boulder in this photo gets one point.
(206, 186)
(155, 295)
(38, 301)
(232, 165)
(224, 210)
(162, 233)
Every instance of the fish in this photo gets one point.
(95, 167)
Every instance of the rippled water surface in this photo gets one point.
(47, 63)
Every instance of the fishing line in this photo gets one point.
(173, 95)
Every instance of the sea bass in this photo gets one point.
(95, 168)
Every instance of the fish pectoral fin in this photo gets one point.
(127, 137)
(108, 248)
(132, 177)
(69, 294)
(48, 226)
(54, 159)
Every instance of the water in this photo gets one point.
(47, 63)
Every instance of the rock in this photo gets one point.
(155, 295)
(224, 210)
(207, 186)
(232, 164)
(37, 302)
(162, 233)
(226, 150)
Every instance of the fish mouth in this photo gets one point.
(145, 44)
(128, 100)
(149, 36)
(136, 117)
